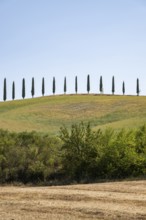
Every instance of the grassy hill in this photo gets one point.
(47, 114)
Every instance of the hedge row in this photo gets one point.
(77, 154)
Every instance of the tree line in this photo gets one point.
(101, 89)
(78, 154)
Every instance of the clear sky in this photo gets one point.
(46, 38)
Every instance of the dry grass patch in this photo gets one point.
(116, 200)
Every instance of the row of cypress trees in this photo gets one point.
(65, 87)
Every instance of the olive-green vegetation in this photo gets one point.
(78, 154)
(101, 85)
(28, 157)
(54, 86)
(43, 86)
(113, 85)
(32, 87)
(47, 114)
(123, 88)
(5, 90)
(88, 84)
(104, 154)
(76, 84)
(23, 88)
(13, 90)
(65, 85)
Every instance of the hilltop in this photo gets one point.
(47, 114)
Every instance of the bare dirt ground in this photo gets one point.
(116, 200)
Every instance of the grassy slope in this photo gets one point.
(47, 114)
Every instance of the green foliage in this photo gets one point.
(79, 154)
(137, 87)
(23, 88)
(88, 83)
(141, 139)
(54, 85)
(65, 85)
(101, 85)
(32, 87)
(120, 158)
(102, 154)
(43, 86)
(79, 150)
(113, 85)
(13, 90)
(5, 90)
(28, 157)
(76, 84)
(123, 88)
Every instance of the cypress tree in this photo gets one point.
(113, 85)
(32, 88)
(43, 86)
(101, 85)
(88, 83)
(54, 86)
(76, 84)
(65, 86)
(13, 90)
(5, 90)
(23, 88)
(137, 87)
(123, 88)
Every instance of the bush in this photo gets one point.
(80, 151)
(91, 155)
(78, 154)
(28, 157)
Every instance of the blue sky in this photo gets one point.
(46, 38)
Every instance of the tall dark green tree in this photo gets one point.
(76, 84)
(101, 85)
(137, 87)
(113, 85)
(23, 88)
(123, 88)
(65, 86)
(43, 86)
(32, 87)
(5, 90)
(88, 83)
(54, 86)
(13, 90)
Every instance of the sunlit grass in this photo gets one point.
(47, 114)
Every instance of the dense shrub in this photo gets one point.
(78, 154)
(104, 154)
(79, 151)
(28, 157)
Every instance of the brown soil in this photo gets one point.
(116, 200)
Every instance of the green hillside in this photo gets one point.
(47, 114)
